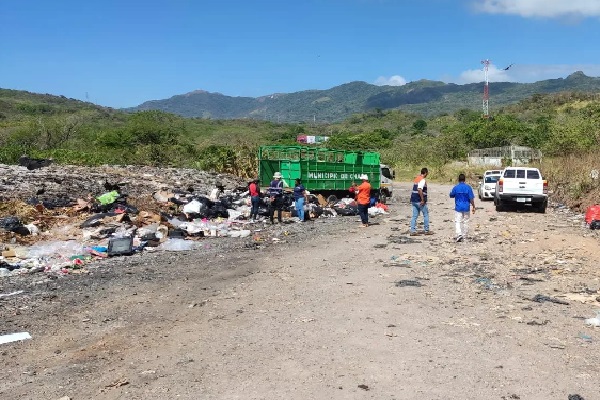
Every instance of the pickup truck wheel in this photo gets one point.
(541, 208)
(499, 206)
(382, 198)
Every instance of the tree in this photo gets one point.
(419, 126)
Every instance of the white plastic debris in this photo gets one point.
(594, 321)
(177, 245)
(58, 248)
(14, 337)
(11, 294)
(192, 207)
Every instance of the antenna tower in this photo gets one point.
(486, 89)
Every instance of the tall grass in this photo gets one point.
(570, 179)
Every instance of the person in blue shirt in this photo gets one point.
(464, 199)
(299, 197)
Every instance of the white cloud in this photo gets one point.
(541, 8)
(525, 73)
(395, 80)
(495, 74)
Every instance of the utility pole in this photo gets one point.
(486, 89)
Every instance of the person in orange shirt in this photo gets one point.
(363, 198)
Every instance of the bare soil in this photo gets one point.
(330, 311)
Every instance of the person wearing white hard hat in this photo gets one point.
(363, 198)
(276, 196)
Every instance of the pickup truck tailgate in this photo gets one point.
(523, 181)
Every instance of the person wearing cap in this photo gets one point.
(276, 196)
(216, 193)
(254, 190)
(363, 198)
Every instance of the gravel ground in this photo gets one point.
(330, 310)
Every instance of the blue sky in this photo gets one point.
(124, 52)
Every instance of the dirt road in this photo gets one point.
(350, 314)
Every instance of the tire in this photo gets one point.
(382, 198)
(499, 206)
(541, 208)
(332, 199)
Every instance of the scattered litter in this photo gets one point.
(585, 337)
(14, 337)
(593, 321)
(487, 283)
(177, 245)
(408, 282)
(538, 323)
(575, 397)
(119, 383)
(402, 239)
(538, 298)
(11, 294)
(364, 387)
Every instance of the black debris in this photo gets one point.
(33, 163)
(575, 397)
(402, 239)
(408, 282)
(539, 298)
(10, 223)
(538, 323)
(364, 387)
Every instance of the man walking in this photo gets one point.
(418, 199)
(463, 198)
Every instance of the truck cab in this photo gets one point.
(386, 179)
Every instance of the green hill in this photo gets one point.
(428, 98)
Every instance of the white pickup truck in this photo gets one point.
(521, 186)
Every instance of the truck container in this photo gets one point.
(325, 171)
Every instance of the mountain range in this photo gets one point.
(424, 97)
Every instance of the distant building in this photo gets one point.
(504, 156)
(307, 139)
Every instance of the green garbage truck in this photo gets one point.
(328, 172)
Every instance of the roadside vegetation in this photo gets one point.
(565, 126)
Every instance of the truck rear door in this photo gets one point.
(523, 181)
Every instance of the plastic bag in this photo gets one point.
(10, 223)
(594, 321)
(177, 245)
(58, 249)
(108, 198)
(192, 207)
(592, 214)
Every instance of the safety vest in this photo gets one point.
(414, 196)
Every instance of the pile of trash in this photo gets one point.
(48, 229)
